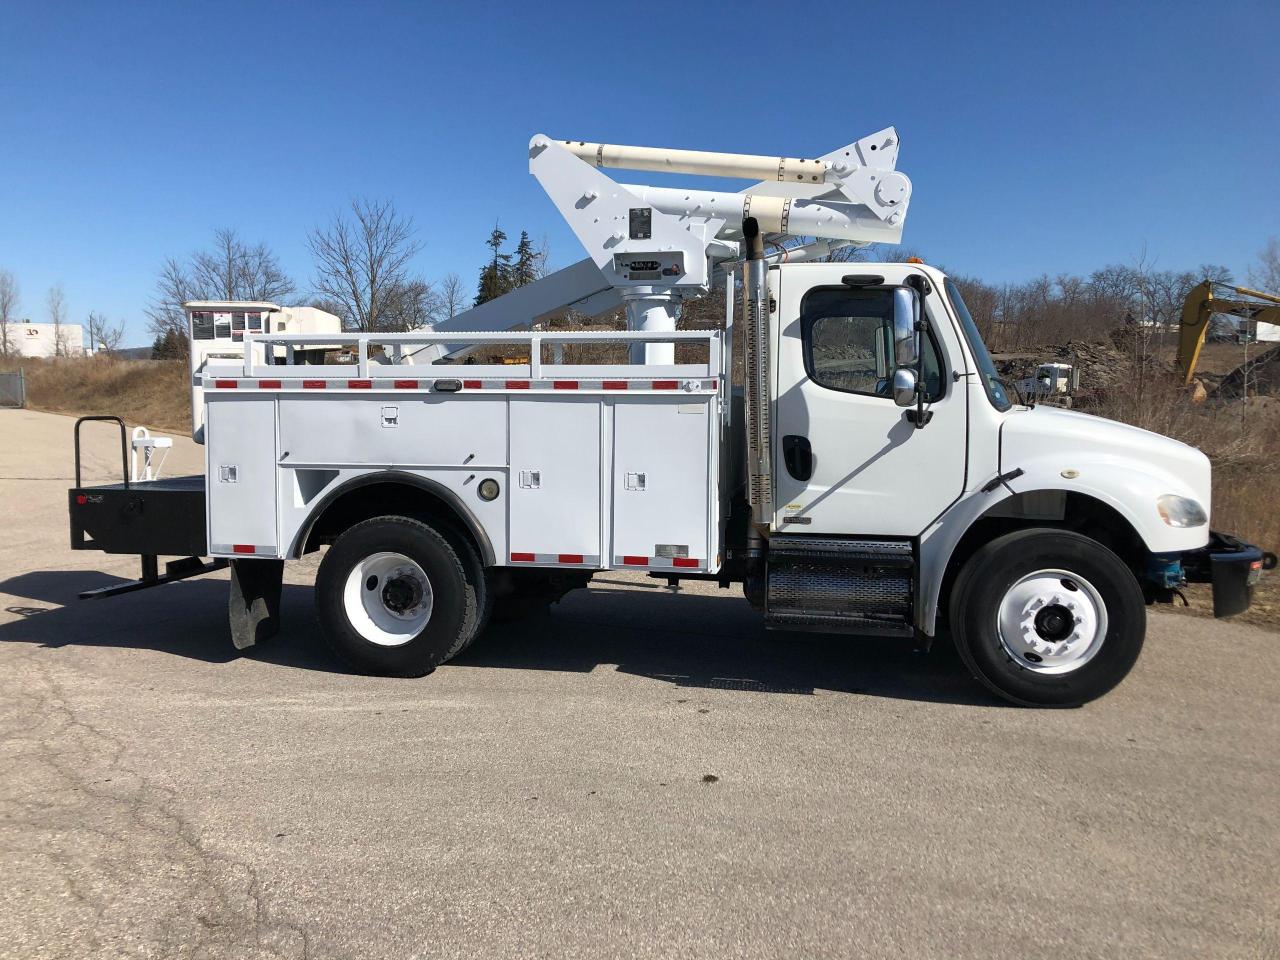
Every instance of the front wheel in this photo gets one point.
(394, 598)
(1048, 618)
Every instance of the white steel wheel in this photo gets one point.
(1052, 622)
(388, 598)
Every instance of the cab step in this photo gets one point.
(836, 585)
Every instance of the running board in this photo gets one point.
(834, 585)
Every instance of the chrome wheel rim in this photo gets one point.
(1052, 622)
(388, 598)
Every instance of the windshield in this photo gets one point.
(996, 391)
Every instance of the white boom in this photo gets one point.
(650, 247)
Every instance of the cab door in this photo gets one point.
(847, 459)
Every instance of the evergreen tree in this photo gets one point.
(496, 275)
(526, 267)
(170, 345)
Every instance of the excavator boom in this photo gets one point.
(1200, 306)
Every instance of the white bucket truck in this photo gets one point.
(871, 476)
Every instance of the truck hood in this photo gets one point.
(1132, 464)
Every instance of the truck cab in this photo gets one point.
(910, 490)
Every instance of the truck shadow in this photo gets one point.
(690, 640)
(716, 641)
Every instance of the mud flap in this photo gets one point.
(255, 601)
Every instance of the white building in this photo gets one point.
(28, 339)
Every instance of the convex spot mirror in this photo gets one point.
(904, 387)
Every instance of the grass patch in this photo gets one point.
(150, 393)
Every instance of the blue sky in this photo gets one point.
(1039, 137)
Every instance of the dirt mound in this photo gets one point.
(1258, 376)
(1104, 364)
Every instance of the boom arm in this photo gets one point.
(1201, 305)
(649, 247)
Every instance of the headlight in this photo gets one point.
(1180, 511)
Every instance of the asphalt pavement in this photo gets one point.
(643, 773)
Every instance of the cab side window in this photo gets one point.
(848, 342)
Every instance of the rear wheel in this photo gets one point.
(1048, 618)
(395, 599)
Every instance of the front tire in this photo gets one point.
(394, 599)
(1048, 618)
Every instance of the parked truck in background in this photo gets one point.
(870, 475)
(1052, 382)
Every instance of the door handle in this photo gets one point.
(797, 455)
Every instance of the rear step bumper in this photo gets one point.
(151, 577)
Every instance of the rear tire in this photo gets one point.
(1048, 618)
(394, 598)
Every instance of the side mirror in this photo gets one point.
(906, 311)
(904, 387)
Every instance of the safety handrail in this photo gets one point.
(535, 339)
(124, 446)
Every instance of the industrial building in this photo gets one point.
(27, 339)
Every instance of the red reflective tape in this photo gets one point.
(268, 384)
(243, 548)
(313, 384)
(685, 562)
(571, 558)
(565, 385)
(471, 384)
(517, 384)
(225, 384)
(665, 384)
(636, 561)
(359, 384)
(615, 384)
(406, 384)
(523, 558)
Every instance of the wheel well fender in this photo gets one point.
(389, 492)
(1080, 512)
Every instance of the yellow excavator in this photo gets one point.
(1201, 304)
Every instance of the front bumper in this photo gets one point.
(1232, 566)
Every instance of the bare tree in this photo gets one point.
(8, 310)
(542, 258)
(1265, 274)
(362, 262)
(165, 315)
(231, 270)
(452, 296)
(411, 305)
(104, 337)
(56, 303)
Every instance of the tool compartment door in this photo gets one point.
(661, 478)
(240, 436)
(555, 478)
